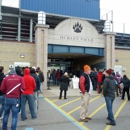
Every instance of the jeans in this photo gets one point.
(30, 98)
(2, 102)
(109, 104)
(35, 101)
(41, 84)
(11, 104)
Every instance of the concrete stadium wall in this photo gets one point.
(10, 53)
(123, 56)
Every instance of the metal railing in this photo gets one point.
(117, 27)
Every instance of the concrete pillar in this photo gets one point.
(109, 50)
(31, 31)
(19, 29)
(41, 49)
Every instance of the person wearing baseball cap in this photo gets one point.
(84, 85)
(109, 95)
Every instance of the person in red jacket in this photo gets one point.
(12, 86)
(28, 94)
(84, 85)
(99, 79)
(58, 76)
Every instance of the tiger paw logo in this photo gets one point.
(77, 27)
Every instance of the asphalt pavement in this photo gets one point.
(55, 114)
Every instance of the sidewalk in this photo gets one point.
(54, 92)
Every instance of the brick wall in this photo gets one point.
(10, 53)
(123, 56)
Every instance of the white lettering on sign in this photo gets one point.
(77, 39)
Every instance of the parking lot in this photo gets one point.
(55, 114)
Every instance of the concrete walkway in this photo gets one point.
(54, 92)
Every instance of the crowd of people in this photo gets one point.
(122, 83)
(16, 88)
(111, 84)
(22, 85)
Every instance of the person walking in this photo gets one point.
(95, 73)
(99, 79)
(58, 76)
(12, 86)
(54, 77)
(41, 77)
(118, 79)
(109, 95)
(28, 95)
(84, 85)
(64, 83)
(2, 96)
(126, 83)
(37, 81)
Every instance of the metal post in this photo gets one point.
(19, 29)
(0, 20)
(31, 30)
(123, 27)
(112, 21)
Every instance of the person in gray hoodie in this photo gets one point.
(109, 94)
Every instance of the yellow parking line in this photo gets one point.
(80, 106)
(97, 110)
(73, 120)
(70, 102)
(117, 113)
(55, 100)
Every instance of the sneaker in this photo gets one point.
(89, 118)
(108, 118)
(84, 120)
(111, 123)
(34, 117)
(24, 119)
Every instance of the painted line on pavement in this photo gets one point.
(55, 100)
(96, 111)
(70, 102)
(80, 106)
(74, 121)
(29, 129)
(117, 113)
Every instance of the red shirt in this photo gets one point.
(12, 86)
(99, 77)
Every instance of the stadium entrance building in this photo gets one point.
(68, 40)
(75, 41)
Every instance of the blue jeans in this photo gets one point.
(30, 98)
(109, 104)
(11, 104)
(2, 102)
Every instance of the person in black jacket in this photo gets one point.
(64, 85)
(36, 93)
(41, 77)
(19, 72)
(2, 97)
(126, 83)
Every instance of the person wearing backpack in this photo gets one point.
(84, 85)
(118, 78)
